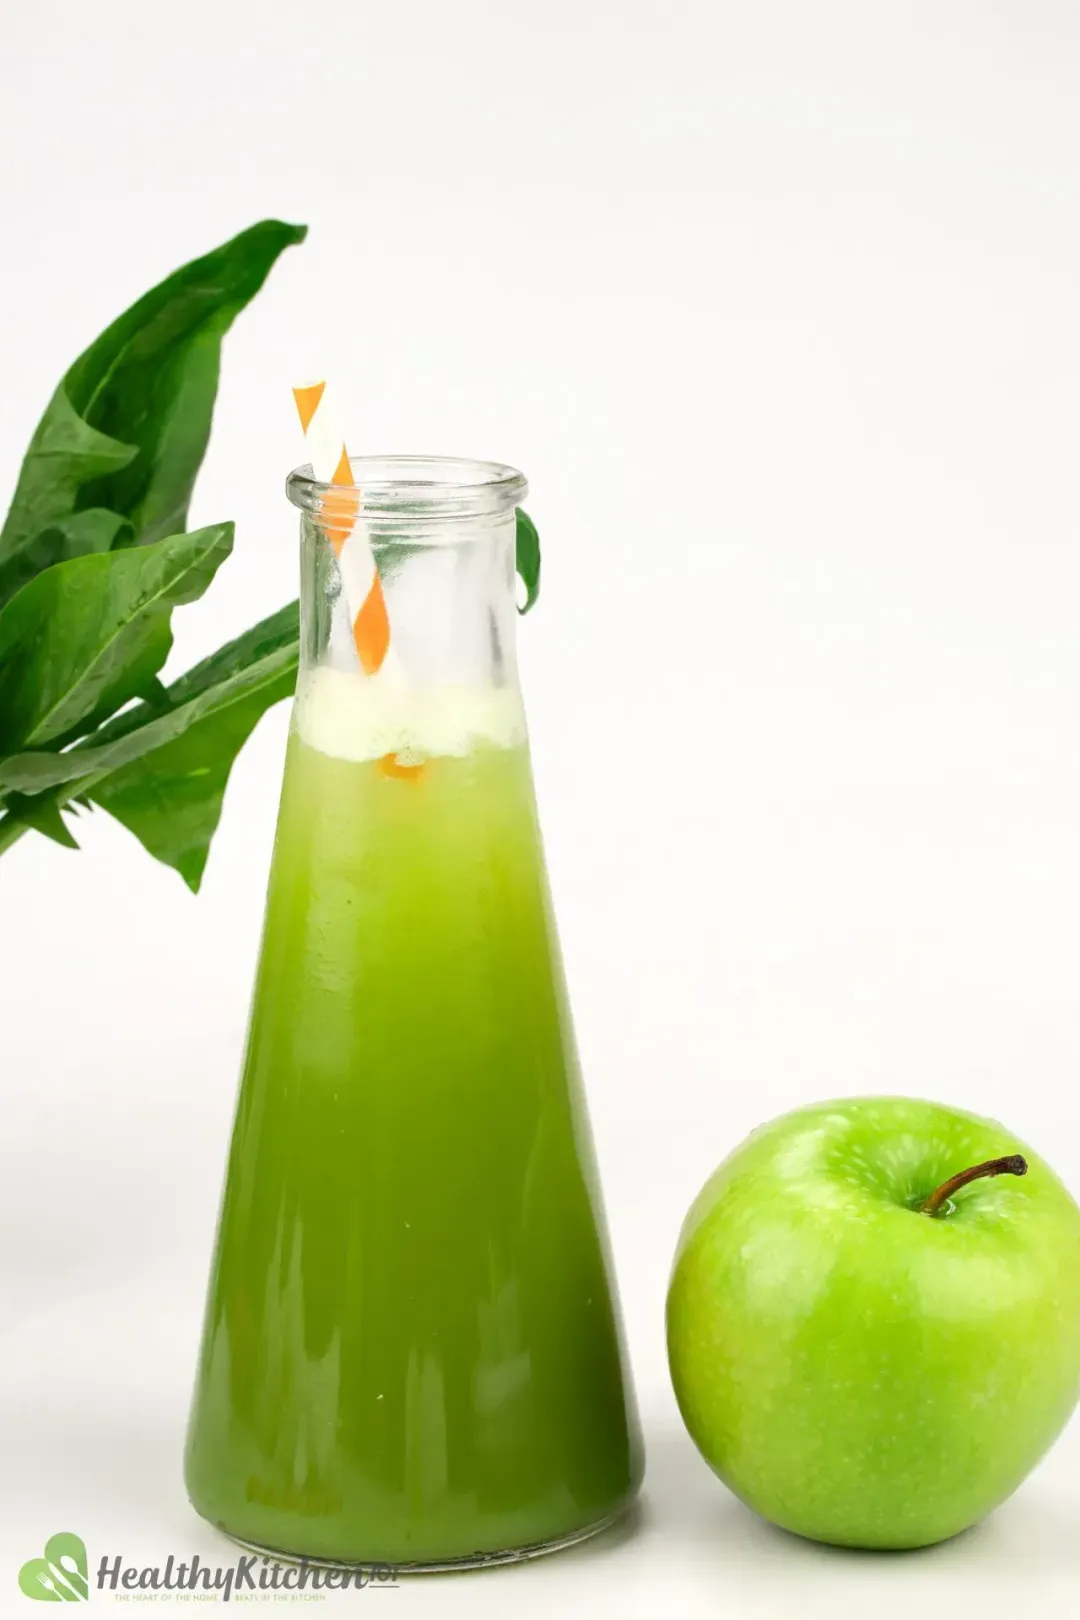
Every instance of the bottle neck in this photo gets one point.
(426, 609)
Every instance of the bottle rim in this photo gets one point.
(415, 489)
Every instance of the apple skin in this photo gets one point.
(856, 1371)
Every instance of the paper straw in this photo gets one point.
(360, 580)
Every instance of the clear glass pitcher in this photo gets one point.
(412, 1352)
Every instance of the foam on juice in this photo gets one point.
(358, 717)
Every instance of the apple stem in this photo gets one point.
(1013, 1164)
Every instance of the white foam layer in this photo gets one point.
(359, 717)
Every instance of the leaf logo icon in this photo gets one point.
(61, 1575)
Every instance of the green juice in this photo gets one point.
(411, 1352)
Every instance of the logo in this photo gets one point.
(61, 1575)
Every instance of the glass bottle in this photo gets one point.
(412, 1352)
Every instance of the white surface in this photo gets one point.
(776, 305)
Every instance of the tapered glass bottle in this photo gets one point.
(412, 1351)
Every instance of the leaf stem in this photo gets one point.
(1013, 1164)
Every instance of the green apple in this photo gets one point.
(873, 1329)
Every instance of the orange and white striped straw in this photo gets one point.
(360, 580)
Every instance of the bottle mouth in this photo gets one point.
(415, 492)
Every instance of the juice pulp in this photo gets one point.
(411, 1352)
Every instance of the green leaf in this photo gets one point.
(128, 426)
(171, 798)
(82, 535)
(88, 635)
(64, 454)
(528, 558)
(281, 631)
(44, 816)
(163, 773)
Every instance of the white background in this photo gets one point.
(777, 306)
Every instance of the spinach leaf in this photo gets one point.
(528, 558)
(93, 559)
(162, 768)
(86, 636)
(128, 426)
(43, 814)
(65, 453)
(79, 536)
(171, 796)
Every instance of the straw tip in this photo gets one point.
(307, 397)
